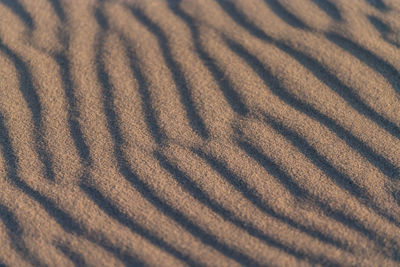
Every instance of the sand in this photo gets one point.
(200, 133)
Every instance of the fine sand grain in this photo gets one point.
(199, 133)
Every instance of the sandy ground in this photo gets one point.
(200, 133)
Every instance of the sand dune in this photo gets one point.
(200, 133)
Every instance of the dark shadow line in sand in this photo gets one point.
(20, 11)
(387, 245)
(318, 160)
(316, 68)
(101, 19)
(14, 231)
(275, 87)
(348, 94)
(379, 25)
(149, 113)
(270, 166)
(342, 180)
(112, 211)
(378, 4)
(377, 160)
(25, 85)
(286, 15)
(58, 9)
(327, 121)
(336, 215)
(181, 83)
(11, 160)
(396, 195)
(323, 164)
(73, 111)
(64, 64)
(119, 253)
(78, 138)
(238, 184)
(237, 16)
(62, 218)
(379, 65)
(329, 8)
(80, 144)
(185, 181)
(32, 99)
(232, 97)
(9, 220)
(113, 126)
(76, 258)
(142, 187)
(384, 29)
(171, 212)
(366, 56)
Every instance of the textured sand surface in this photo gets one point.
(200, 133)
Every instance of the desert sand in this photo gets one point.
(200, 133)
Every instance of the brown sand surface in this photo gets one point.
(200, 133)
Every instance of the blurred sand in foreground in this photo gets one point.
(200, 133)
